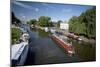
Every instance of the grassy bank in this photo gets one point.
(15, 35)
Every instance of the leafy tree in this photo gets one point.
(58, 23)
(84, 24)
(15, 20)
(51, 24)
(16, 33)
(13, 17)
(44, 21)
(32, 22)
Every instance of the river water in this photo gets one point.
(43, 50)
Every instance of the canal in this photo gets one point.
(43, 50)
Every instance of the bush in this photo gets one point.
(15, 33)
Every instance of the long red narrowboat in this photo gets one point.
(66, 46)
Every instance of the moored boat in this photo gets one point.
(66, 46)
(20, 51)
(46, 29)
(72, 35)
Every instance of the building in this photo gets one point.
(64, 26)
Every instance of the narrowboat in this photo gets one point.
(65, 45)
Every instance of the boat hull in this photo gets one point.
(68, 48)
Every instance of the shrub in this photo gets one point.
(15, 33)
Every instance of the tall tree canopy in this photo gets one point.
(14, 19)
(58, 23)
(32, 22)
(85, 24)
(44, 21)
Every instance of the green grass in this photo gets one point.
(15, 33)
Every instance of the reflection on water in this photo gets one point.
(44, 50)
(85, 51)
(42, 33)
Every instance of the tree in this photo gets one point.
(44, 21)
(58, 23)
(16, 33)
(32, 22)
(73, 23)
(15, 20)
(84, 24)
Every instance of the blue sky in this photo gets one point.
(33, 10)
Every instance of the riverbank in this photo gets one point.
(80, 38)
(83, 38)
(92, 41)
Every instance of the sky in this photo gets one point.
(33, 10)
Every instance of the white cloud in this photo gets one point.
(26, 6)
(22, 5)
